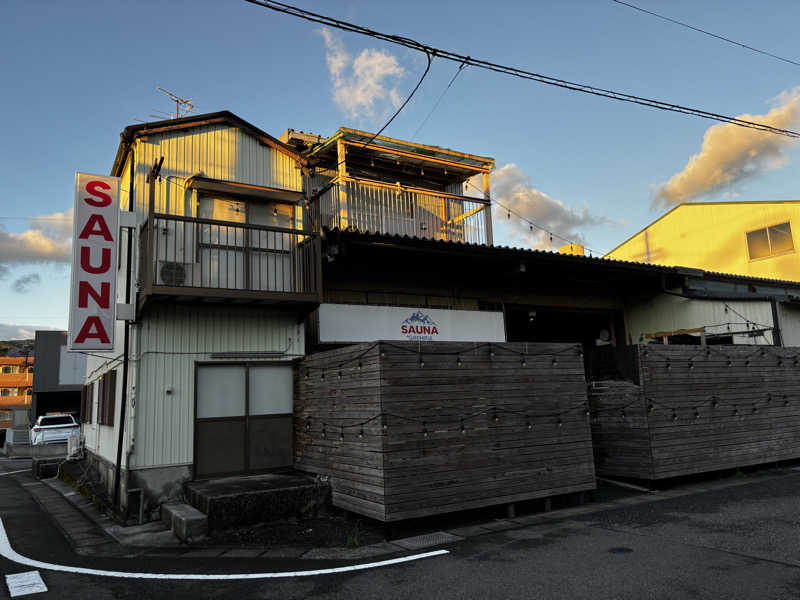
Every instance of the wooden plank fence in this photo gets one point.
(698, 409)
(410, 429)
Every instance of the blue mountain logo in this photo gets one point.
(419, 317)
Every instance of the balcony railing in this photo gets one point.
(209, 258)
(385, 208)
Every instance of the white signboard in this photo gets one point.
(93, 294)
(360, 323)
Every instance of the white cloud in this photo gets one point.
(511, 188)
(362, 87)
(20, 332)
(731, 154)
(46, 240)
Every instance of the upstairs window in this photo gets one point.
(770, 241)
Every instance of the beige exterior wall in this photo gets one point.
(713, 237)
(672, 313)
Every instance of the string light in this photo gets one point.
(421, 361)
(528, 423)
(555, 361)
(424, 430)
(339, 374)
(458, 361)
(674, 415)
(361, 432)
(560, 422)
(524, 362)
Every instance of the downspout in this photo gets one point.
(126, 342)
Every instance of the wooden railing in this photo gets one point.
(384, 208)
(206, 257)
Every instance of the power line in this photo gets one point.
(516, 72)
(436, 104)
(703, 31)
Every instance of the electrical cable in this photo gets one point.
(517, 72)
(703, 31)
(436, 104)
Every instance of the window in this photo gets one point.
(236, 256)
(770, 241)
(7, 370)
(5, 392)
(87, 401)
(106, 397)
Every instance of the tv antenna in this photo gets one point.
(186, 103)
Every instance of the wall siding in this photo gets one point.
(215, 151)
(671, 313)
(172, 338)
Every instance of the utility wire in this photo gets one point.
(436, 104)
(516, 72)
(703, 31)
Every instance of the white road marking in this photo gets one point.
(22, 584)
(6, 551)
(15, 472)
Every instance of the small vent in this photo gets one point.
(173, 273)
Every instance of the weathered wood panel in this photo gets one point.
(454, 426)
(699, 409)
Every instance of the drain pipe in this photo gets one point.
(126, 342)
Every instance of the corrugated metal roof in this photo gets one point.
(548, 255)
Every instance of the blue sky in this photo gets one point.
(76, 73)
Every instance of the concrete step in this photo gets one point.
(186, 522)
(237, 501)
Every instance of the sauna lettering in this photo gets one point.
(419, 326)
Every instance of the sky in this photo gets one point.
(589, 169)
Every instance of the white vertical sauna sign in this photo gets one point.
(93, 294)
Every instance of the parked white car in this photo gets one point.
(54, 428)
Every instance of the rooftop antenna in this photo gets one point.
(185, 102)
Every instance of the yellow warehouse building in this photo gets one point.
(755, 239)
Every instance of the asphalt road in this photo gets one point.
(740, 542)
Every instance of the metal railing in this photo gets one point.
(186, 252)
(384, 208)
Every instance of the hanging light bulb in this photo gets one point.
(555, 361)
(385, 426)
(463, 431)
(495, 416)
(551, 238)
(755, 408)
(674, 415)
(308, 424)
(458, 360)
(730, 362)
(339, 374)
(341, 434)
(274, 210)
(361, 432)
(696, 413)
(714, 402)
(691, 364)
(421, 361)
(785, 400)
(528, 424)
(560, 422)
(735, 411)
(324, 434)
(424, 430)
(586, 411)
(650, 407)
(669, 365)
(622, 412)
(359, 365)
(524, 362)
(306, 373)
(491, 352)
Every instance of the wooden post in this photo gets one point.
(487, 212)
(341, 155)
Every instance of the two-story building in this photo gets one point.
(249, 252)
(225, 267)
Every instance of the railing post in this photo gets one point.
(341, 153)
(487, 212)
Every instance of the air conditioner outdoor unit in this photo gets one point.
(75, 446)
(174, 273)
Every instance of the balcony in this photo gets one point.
(212, 260)
(402, 210)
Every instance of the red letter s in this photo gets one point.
(91, 187)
